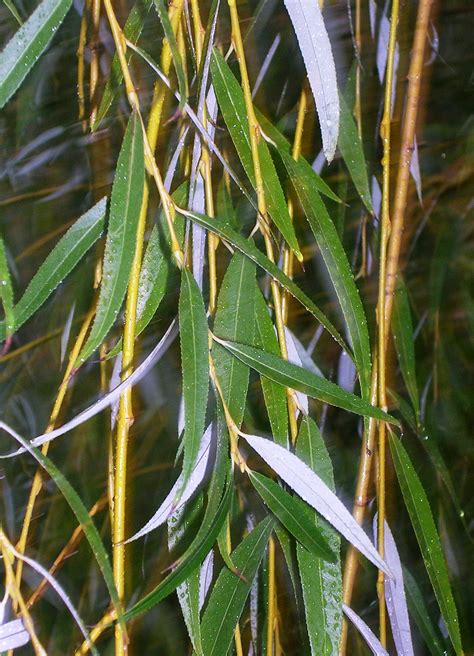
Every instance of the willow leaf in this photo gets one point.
(132, 30)
(350, 145)
(321, 581)
(249, 249)
(317, 494)
(125, 204)
(402, 331)
(315, 47)
(192, 558)
(337, 265)
(6, 291)
(235, 320)
(297, 378)
(195, 367)
(170, 36)
(59, 263)
(366, 632)
(273, 393)
(423, 524)
(293, 514)
(418, 610)
(28, 43)
(232, 105)
(230, 592)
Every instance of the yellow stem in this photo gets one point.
(13, 590)
(38, 478)
(385, 130)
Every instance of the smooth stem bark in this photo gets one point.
(385, 133)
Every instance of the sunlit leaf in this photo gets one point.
(25, 47)
(421, 518)
(125, 204)
(232, 105)
(230, 592)
(315, 492)
(293, 514)
(59, 263)
(288, 374)
(195, 367)
(369, 636)
(315, 47)
(395, 595)
(235, 320)
(321, 581)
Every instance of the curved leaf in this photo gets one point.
(59, 263)
(125, 204)
(321, 581)
(297, 378)
(230, 591)
(26, 46)
(423, 524)
(293, 514)
(369, 636)
(315, 492)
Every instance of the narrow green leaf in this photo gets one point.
(302, 380)
(6, 291)
(125, 204)
(195, 367)
(273, 393)
(352, 152)
(337, 265)
(231, 102)
(230, 592)
(423, 524)
(59, 263)
(402, 331)
(132, 30)
(28, 43)
(304, 168)
(248, 248)
(177, 61)
(294, 514)
(420, 614)
(156, 267)
(321, 581)
(13, 10)
(235, 320)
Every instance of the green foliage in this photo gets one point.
(283, 326)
